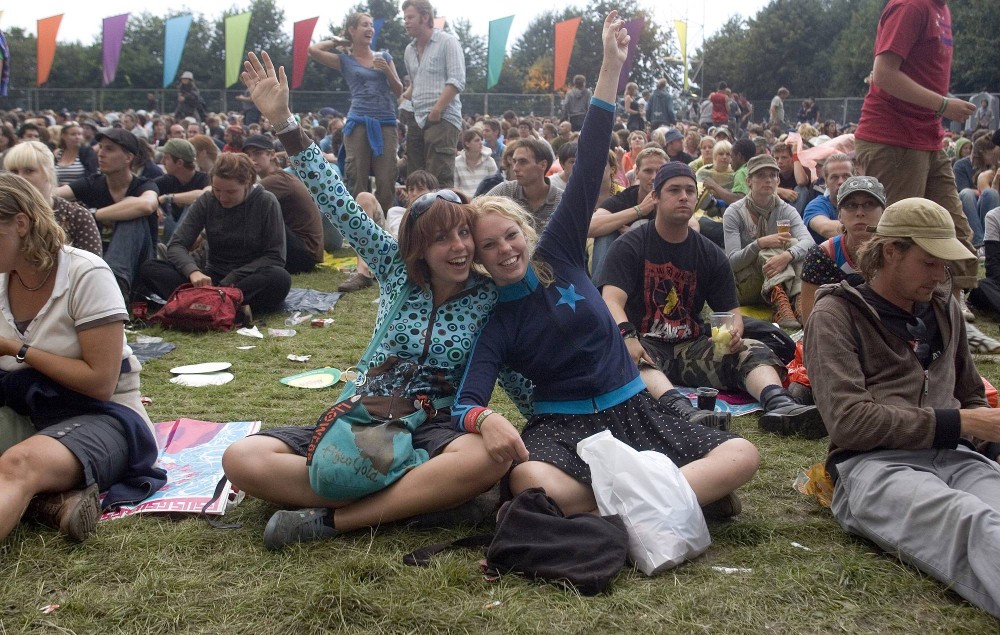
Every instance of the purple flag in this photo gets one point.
(634, 28)
(114, 34)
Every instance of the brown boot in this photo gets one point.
(74, 513)
(784, 316)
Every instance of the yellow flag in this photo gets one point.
(682, 35)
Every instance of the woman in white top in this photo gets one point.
(63, 354)
(472, 165)
(74, 158)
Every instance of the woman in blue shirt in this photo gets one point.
(552, 326)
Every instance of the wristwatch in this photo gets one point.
(282, 126)
(19, 358)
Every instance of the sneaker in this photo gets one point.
(74, 513)
(300, 525)
(979, 342)
(355, 282)
(966, 311)
(726, 507)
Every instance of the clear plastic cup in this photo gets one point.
(722, 332)
(784, 226)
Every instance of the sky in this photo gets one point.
(82, 21)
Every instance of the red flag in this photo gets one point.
(300, 49)
(48, 28)
(565, 37)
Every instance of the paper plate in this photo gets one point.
(204, 379)
(319, 378)
(200, 369)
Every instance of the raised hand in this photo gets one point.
(615, 38)
(268, 88)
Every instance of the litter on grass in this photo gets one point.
(251, 332)
(298, 358)
(318, 378)
(800, 546)
(732, 570)
(204, 379)
(282, 332)
(244, 348)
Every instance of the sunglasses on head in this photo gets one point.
(424, 203)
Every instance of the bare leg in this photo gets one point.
(759, 379)
(371, 206)
(721, 471)
(572, 496)
(265, 468)
(656, 382)
(38, 464)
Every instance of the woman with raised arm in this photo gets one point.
(431, 264)
(552, 326)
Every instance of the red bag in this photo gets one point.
(200, 309)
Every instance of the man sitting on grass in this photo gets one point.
(913, 443)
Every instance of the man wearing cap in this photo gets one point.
(674, 146)
(303, 226)
(125, 201)
(182, 184)
(657, 278)
(913, 444)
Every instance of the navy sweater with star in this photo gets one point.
(562, 336)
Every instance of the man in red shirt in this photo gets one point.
(720, 104)
(899, 139)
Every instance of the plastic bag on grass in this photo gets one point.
(664, 522)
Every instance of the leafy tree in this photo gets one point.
(852, 59)
(975, 24)
(476, 54)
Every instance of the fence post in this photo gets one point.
(843, 119)
(486, 104)
(552, 105)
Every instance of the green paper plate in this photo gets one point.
(319, 378)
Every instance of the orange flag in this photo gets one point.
(565, 36)
(47, 30)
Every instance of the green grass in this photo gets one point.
(155, 574)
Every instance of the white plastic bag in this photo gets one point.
(664, 521)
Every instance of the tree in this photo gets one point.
(476, 53)
(853, 57)
(975, 24)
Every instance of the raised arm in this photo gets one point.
(323, 53)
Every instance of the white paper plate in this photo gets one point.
(199, 369)
(206, 379)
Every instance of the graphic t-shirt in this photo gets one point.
(668, 284)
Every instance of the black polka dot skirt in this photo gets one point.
(641, 422)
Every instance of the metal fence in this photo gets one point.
(104, 100)
(843, 110)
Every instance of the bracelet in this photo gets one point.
(481, 418)
(638, 213)
(942, 107)
(628, 330)
(19, 358)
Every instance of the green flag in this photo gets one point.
(237, 27)
(499, 30)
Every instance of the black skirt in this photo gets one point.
(641, 422)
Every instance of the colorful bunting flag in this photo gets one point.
(499, 30)
(237, 27)
(565, 37)
(175, 35)
(681, 27)
(111, 45)
(303, 30)
(634, 28)
(48, 28)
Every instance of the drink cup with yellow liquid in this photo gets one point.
(784, 227)
(722, 332)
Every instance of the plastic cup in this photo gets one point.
(784, 226)
(707, 398)
(722, 331)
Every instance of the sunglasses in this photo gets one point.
(424, 203)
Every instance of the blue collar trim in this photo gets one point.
(522, 289)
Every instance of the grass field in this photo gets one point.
(160, 575)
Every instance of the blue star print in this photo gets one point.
(569, 296)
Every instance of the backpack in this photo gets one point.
(193, 308)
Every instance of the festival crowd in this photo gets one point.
(571, 256)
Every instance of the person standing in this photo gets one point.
(436, 66)
(370, 132)
(899, 139)
(777, 110)
(189, 101)
(577, 102)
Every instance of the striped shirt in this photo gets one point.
(442, 63)
(71, 172)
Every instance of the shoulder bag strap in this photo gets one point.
(351, 387)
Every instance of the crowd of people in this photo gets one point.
(598, 238)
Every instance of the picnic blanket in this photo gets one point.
(738, 403)
(310, 300)
(191, 453)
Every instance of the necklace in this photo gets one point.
(21, 282)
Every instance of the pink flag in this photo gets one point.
(300, 49)
(565, 37)
(114, 35)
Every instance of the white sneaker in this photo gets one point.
(980, 342)
(966, 311)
